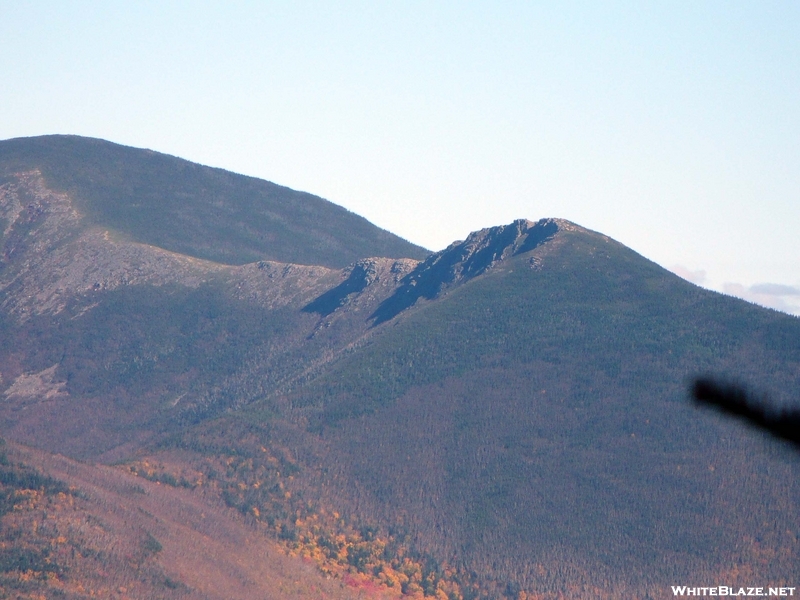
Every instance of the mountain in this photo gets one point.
(532, 419)
(123, 268)
(505, 418)
(202, 212)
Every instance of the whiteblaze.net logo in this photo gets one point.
(730, 592)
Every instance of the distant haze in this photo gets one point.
(673, 128)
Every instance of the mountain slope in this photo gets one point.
(198, 211)
(536, 416)
(99, 532)
(144, 338)
(506, 417)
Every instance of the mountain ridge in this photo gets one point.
(465, 260)
(196, 210)
(504, 418)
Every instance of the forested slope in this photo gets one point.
(508, 417)
(530, 423)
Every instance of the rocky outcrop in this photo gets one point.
(409, 280)
(358, 278)
(50, 257)
(272, 284)
(465, 260)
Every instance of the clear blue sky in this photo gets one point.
(673, 127)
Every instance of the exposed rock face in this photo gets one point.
(462, 261)
(409, 280)
(50, 257)
(272, 284)
(360, 276)
(37, 386)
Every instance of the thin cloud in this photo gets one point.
(697, 277)
(775, 289)
(784, 298)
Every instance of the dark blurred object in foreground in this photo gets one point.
(735, 400)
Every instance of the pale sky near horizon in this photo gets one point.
(672, 127)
